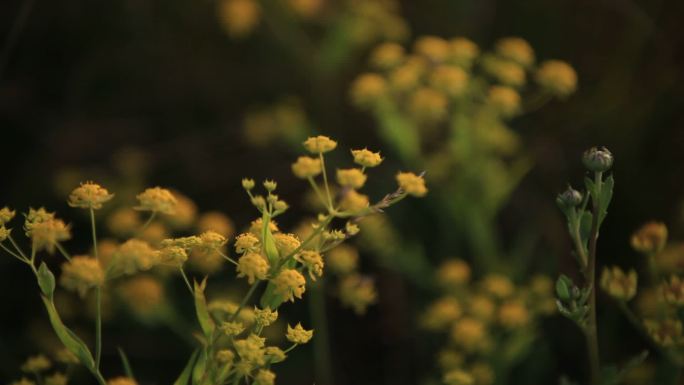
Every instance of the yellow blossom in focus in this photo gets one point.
(232, 329)
(211, 240)
(367, 89)
(354, 202)
(557, 77)
(298, 335)
(239, 17)
(667, 332)
(434, 48)
(453, 273)
(357, 292)
(157, 199)
(504, 100)
(251, 349)
(387, 55)
(342, 259)
(650, 238)
(286, 243)
(306, 167)
(81, 274)
(313, 261)
(246, 242)
(36, 364)
(257, 225)
(253, 266)
(513, 314)
(289, 283)
(366, 158)
(4, 233)
(516, 49)
(469, 333)
(441, 314)
(428, 105)
(121, 381)
(319, 144)
(351, 177)
(265, 317)
(173, 256)
(89, 195)
(412, 184)
(451, 80)
(619, 285)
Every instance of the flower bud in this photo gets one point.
(598, 159)
(248, 184)
(569, 198)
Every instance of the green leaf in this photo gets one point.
(606, 197)
(46, 280)
(70, 340)
(563, 287)
(585, 228)
(269, 242)
(187, 372)
(126, 364)
(270, 299)
(205, 321)
(198, 373)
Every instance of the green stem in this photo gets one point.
(290, 348)
(148, 222)
(321, 344)
(16, 247)
(591, 331)
(227, 258)
(12, 253)
(187, 281)
(63, 251)
(314, 186)
(98, 298)
(325, 180)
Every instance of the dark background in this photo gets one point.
(86, 79)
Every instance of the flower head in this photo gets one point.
(618, 284)
(298, 335)
(306, 167)
(251, 349)
(343, 259)
(157, 199)
(351, 177)
(289, 283)
(453, 273)
(650, 238)
(449, 79)
(354, 202)
(81, 274)
(246, 242)
(412, 184)
(6, 215)
(266, 316)
(673, 291)
(504, 100)
(557, 77)
(121, 381)
(469, 333)
(516, 49)
(4, 233)
(387, 55)
(286, 243)
(47, 233)
(357, 292)
(366, 158)
(36, 364)
(367, 89)
(56, 379)
(253, 266)
(442, 313)
(313, 261)
(134, 255)
(319, 144)
(264, 377)
(173, 256)
(667, 332)
(143, 295)
(463, 51)
(89, 195)
(513, 314)
(433, 48)
(458, 377)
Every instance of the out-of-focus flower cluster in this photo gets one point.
(488, 324)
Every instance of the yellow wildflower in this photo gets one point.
(357, 292)
(298, 335)
(469, 333)
(134, 255)
(319, 144)
(121, 381)
(82, 273)
(289, 283)
(342, 259)
(667, 332)
(506, 72)
(387, 55)
(157, 199)
(453, 273)
(451, 80)
(173, 256)
(407, 77)
(233, 328)
(34, 364)
(434, 48)
(673, 290)
(65, 356)
(56, 379)
(246, 242)
(557, 77)
(274, 354)
(367, 89)
(513, 314)
(516, 49)
(412, 184)
(463, 51)
(211, 240)
(354, 202)
(217, 222)
(286, 243)
(143, 295)
(46, 234)
(257, 225)
(253, 266)
(124, 222)
(6, 215)
(498, 285)
(428, 105)
(264, 377)
(251, 349)
(225, 356)
(351, 177)
(187, 243)
(89, 195)
(4, 233)
(650, 238)
(306, 167)
(266, 316)
(366, 158)
(313, 261)
(619, 285)
(441, 314)
(504, 100)
(458, 377)
(482, 307)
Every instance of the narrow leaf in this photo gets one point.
(203, 316)
(70, 340)
(46, 280)
(187, 372)
(126, 364)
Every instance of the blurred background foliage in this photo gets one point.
(164, 93)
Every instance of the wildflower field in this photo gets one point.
(333, 192)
